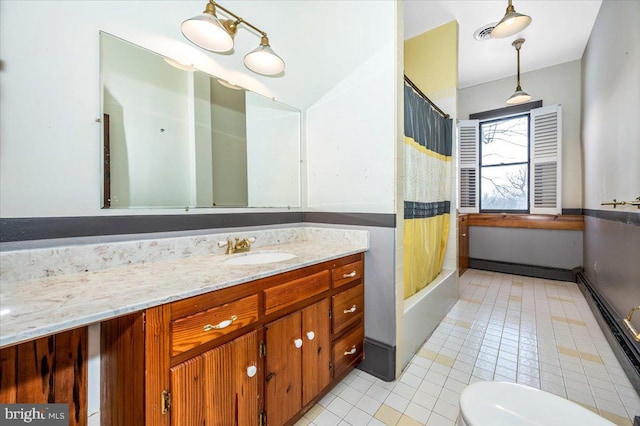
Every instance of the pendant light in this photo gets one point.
(206, 31)
(263, 60)
(512, 23)
(210, 33)
(519, 95)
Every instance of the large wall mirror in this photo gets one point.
(180, 138)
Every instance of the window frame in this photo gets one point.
(481, 122)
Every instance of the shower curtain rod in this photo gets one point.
(426, 98)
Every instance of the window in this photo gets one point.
(511, 163)
(504, 165)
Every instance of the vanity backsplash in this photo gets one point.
(20, 265)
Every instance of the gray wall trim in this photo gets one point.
(572, 211)
(613, 330)
(557, 274)
(630, 218)
(501, 112)
(44, 228)
(41, 228)
(379, 360)
(385, 220)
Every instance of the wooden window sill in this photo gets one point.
(529, 221)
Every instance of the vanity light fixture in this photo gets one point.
(210, 33)
(519, 95)
(512, 23)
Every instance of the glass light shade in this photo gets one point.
(512, 23)
(263, 60)
(518, 97)
(206, 31)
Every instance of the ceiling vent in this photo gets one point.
(484, 32)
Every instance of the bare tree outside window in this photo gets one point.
(504, 164)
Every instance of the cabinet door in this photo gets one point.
(316, 350)
(216, 388)
(283, 381)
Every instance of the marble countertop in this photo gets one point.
(40, 307)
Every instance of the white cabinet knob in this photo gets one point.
(298, 343)
(252, 370)
(311, 335)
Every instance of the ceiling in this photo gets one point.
(551, 38)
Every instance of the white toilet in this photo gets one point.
(510, 404)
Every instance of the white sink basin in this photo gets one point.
(259, 258)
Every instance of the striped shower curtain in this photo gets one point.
(427, 149)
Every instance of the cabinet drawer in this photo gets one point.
(347, 273)
(205, 326)
(296, 291)
(347, 351)
(347, 307)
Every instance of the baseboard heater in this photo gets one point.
(615, 332)
(544, 272)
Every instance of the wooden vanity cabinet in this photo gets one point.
(47, 370)
(298, 361)
(260, 353)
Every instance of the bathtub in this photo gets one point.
(424, 310)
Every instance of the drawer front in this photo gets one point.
(203, 327)
(347, 351)
(347, 273)
(347, 307)
(296, 291)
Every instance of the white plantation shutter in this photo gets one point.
(468, 140)
(546, 160)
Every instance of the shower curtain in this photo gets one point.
(427, 149)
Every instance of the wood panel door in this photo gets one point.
(283, 379)
(463, 244)
(316, 350)
(218, 387)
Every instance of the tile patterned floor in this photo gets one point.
(506, 328)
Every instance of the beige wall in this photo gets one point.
(559, 84)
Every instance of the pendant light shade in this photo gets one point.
(263, 60)
(206, 31)
(519, 95)
(512, 23)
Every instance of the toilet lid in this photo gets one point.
(511, 404)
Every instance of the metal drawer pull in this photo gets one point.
(252, 370)
(352, 351)
(349, 311)
(351, 275)
(298, 343)
(221, 325)
(311, 335)
(630, 327)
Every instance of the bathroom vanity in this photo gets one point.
(192, 340)
(257, 353)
